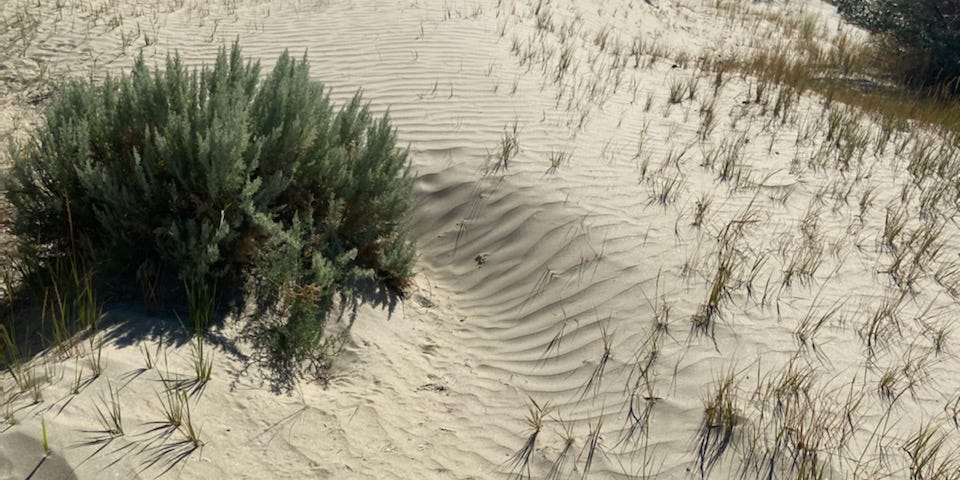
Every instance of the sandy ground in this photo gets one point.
(571, 273)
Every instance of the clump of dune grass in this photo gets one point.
(930, 455)
(109, 412)
(519, 464)
(95, 354)
(592, 447)
(704, 321)
(840, 68)
(849, 122)
(559, 464)
(557, 158)
(202, 361)
(176, 416)
(721, 415)
(676, 90)
(508, 148)
(596, 376)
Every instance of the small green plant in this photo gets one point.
(43, 436)
(895, 221)
(61, 319)
(200, 301)
(886, 387)
(952, 409)
(592, 446)
(77, 378)
(68, 299)
(150, 358)
(31, 384)
(173, 404)
(96, 355)
(882, 324)
(201, 298)
(202, 361)
(187, 427)
(109, 412)
(725, 158)
(810, 325)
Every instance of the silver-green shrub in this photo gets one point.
(222, 177)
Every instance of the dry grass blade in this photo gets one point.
(666, 189)
(700, 210)
(639, 412)
(508, 149)
(677, 88)
(720, 416)
(43, 436)
(704, 321)
(592, 447)
(596, 377)
(557, 468)
(557, 158)
(519, 463)
(555, 341)
(806, 332)
(929, 457)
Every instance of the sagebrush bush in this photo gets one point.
(220, 176)
(921, 37)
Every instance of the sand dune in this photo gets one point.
(571, 271)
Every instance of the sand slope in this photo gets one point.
(569, 274)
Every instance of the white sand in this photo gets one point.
(440, 388)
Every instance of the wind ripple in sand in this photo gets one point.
(536, 285)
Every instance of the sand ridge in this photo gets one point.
(569, 273)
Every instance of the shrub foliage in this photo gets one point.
(922, 35)
(224, 178)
